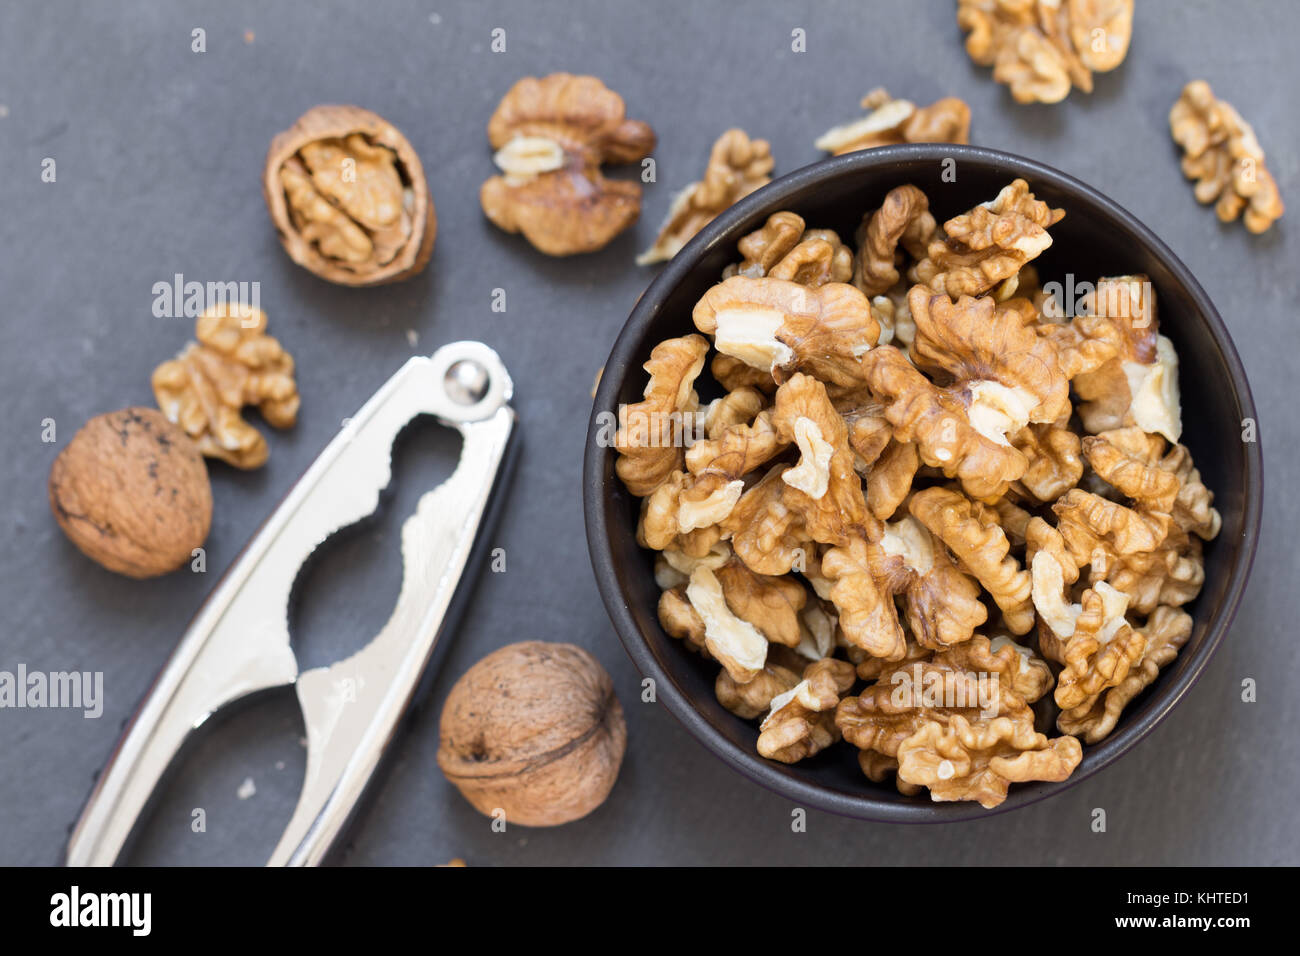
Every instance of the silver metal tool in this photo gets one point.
(238, 643)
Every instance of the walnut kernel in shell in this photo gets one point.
(131, 491)
(347, 194)
(533, 729)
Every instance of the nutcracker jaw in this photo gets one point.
(238, 644)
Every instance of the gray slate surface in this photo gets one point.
(159, 153)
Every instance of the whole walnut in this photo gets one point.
(132, 492)
(534, 730)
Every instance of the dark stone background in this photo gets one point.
(159, 155)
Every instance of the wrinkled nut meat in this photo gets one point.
(924, 499)
(649, 437)
(533, 730)
(552, 136)
(988, 245)
(347, 194)
(903, 218)
(783, 249)
(782, 327)
(1221, 153)
(891, 121)
(1166, 631)
(131, 491)
(963, 734)
(801, 722)
(233, 364)
(737, 166)
(1041, 49)
(1002, 378)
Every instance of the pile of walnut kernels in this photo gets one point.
(920, 473)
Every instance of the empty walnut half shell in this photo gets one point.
(348, 196)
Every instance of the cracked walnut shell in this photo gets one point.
(649, 437)
(233, 364)
(534, 730)
(737, 166)
(131, 491)
(551, 137)
(347, 194)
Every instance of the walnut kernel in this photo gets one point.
(551, 137)
(737, 166)
(235, 363)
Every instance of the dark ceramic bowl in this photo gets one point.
(1095, 238)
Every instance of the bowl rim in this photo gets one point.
(622, 356)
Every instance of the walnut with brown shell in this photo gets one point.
(347, 194)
